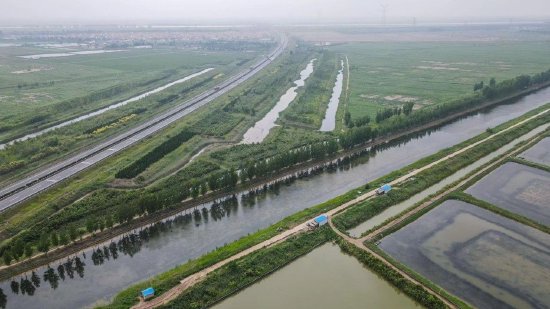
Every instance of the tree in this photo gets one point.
(18, 248)
(28, 250)
(492, 82)
(55, 239)
(347, 119)
(63, 238)
(109, 222)
(478, 86)
(407, 108)
(90, 225)
(7, 257)
(43, 243)
(73, 233)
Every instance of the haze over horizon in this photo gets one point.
(266, 11)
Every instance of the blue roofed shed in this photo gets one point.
(148, 293)
(384, 189)
(321, 220)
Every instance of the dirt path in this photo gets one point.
(197, 277)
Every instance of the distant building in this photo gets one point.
(147, 293)
(321, 220)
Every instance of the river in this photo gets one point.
(261, 129)
(192, 239)
(105, 109)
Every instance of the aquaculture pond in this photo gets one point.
(325, 278)
(261, 129)
(540, 153)
(190, 239)
(397, 209)
(518, 188)
(487, 260)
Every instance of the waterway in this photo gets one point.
(105, 109)
(67, 54)
(261, 129)
(325, 278)
(329, 122)
(190, 240)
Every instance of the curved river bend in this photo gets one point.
(194, 238)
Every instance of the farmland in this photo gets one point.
(389, 74)
(52, 88)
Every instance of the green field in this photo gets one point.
(390, 74)
(38, 92)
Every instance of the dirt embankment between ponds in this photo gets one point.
(89, 241)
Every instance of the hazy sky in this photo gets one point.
(191, 11)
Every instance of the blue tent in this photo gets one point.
(148, 293)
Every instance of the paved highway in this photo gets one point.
(46, 178)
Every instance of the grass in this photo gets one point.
(25, 96)
(379, 70)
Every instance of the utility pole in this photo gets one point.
(384, 7)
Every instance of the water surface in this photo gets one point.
(325, 278)
(329, 122)
(517, 188)
(397, 209)
(540, 153)
(261, 129)
(488, 260)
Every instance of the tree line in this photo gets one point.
(169, 145)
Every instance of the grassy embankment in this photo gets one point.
(308, 110)
(169, 279)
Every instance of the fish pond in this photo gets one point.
(324, 278)
(487, 260)
(517, 188)
(540, 153)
